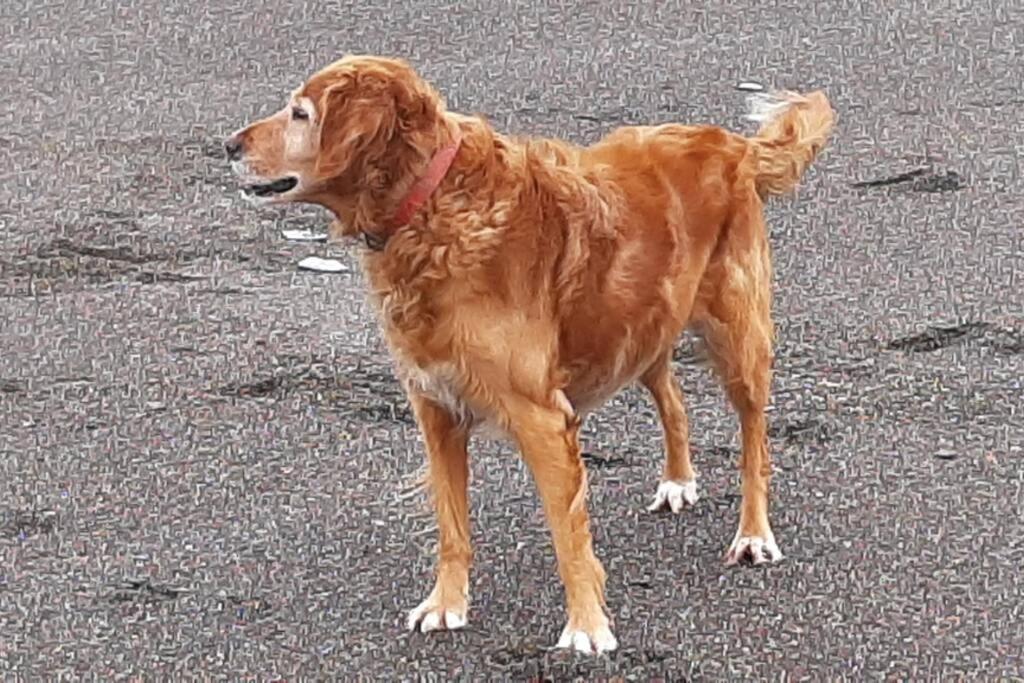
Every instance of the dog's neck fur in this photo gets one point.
(369, 203)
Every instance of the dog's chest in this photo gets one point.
(437, 383)
(440, 383)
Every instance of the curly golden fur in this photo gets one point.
(539, 279)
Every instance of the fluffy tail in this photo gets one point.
(794, 129)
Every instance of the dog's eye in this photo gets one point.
(299, 114)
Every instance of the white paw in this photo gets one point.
(760, 549)
(674, 494)
(599, 642)
(430, 616)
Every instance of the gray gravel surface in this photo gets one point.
(202, 449)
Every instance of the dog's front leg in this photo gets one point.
(446, 440)
(548, 436)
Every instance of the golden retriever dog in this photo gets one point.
(521, 283)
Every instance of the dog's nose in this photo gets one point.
(233, 148)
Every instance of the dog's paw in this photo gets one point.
(431, 615)
(674, 495)
(596, 642)
(760, 549)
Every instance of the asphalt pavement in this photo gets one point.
(203, 450)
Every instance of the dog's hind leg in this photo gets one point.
(678, 485)
(446, 441)
(738, 330)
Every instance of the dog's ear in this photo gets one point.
(351, 121)
(361, 116)
(417, 106)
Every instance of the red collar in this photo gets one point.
(418, 193)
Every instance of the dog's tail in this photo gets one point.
(794, 129)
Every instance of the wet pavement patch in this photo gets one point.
(950, 181)
(66, 248)
(247, 610)
(62, 261)
(935, 338)
(533, 662)
(371, 394)
(268, 386)
(210, 148)
(604, 462)
(27, 523)
(916, 180)
(723, 451)
(517, 654)
(153, 277)
(800, 430)
(690, 354)
(907, 177)
(145, 591)
(11, 386)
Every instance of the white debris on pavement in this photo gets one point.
(322, 265)
(304, 236)
(750, 86)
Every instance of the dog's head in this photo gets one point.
(350, 127)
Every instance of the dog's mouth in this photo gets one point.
(274, 187)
